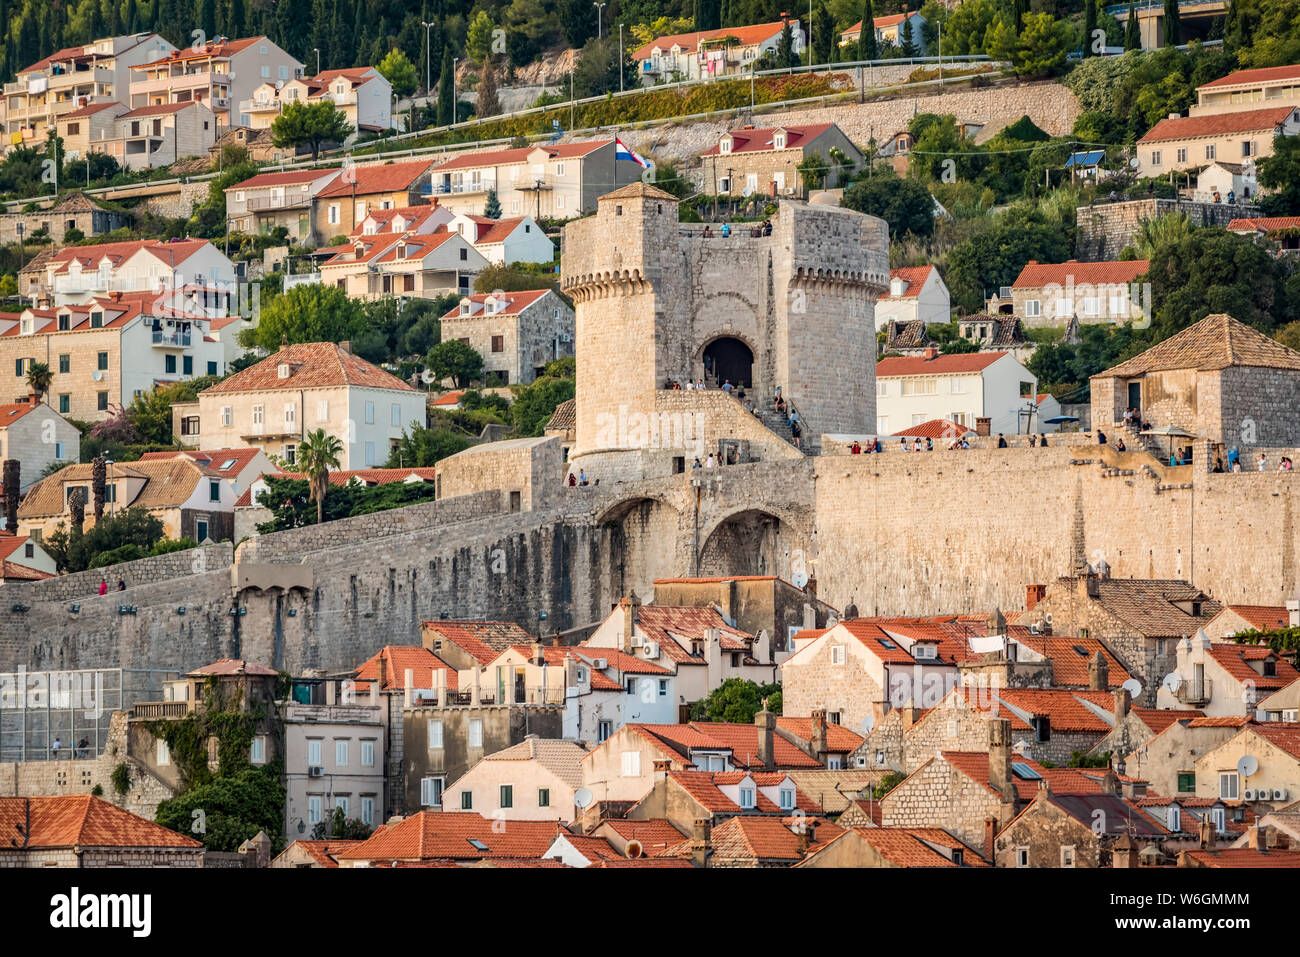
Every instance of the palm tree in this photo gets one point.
(1161, 231)
(39, 378)
(318, 453)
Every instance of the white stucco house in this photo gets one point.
(962, 388)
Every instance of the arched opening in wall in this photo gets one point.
(644, 537)
(729, 359)
(751, 542)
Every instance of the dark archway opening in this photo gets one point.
(729, 360)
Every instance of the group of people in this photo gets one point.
(1261, 464)
(762, 229)
(1134, 417)
(103, 585)
(580, 478)
(82, 750)
(697, 384)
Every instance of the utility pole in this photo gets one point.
(600, 14)
(620, 58)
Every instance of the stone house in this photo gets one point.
(534, 780)
(544, 181)
(685, 797)
(1135, 726)
(151, 137)
(86, 831)
(516, 333)
(463, 643)
(221, 75)
(191, 500)
(1275, 781)
(430, 836)
(1168, 759)
(1234, 619)
(264, 202)
(273, 404)
(765, 842)
(1072, 830)
(1209, 379)
(260, 145)
(312, 854)
(754, 604)
(857, 672)
(420, 266)
(1189, 142)
(711, 53)
(76, 211)
(750, 161)
(916, 293)
(527, 471)
(696, 644)
(1140, 621)
(1222, 679)
(37, 436)
(1051, 294)
(960, 387)
(892, 847)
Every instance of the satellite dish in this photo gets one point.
(1173, 681)
(1133, 687)
(426, 377)
(1135, 162)
(97, 375)
(582, 798)
(868, 723)
(634, 849)
(1247, 766)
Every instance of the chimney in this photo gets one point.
(1207, 836)
(990, 837)
(408, 686)
(661, 770)
(1256, 839)
(1033, 595)
(729, 601)
(382, 664)
(700, 842)
(1124, 852)
(1098, 673)
(346, 346)
(765, 722)
(1122, 702)
(807, 831)
(539, 656)
(931, 352)
(1000, 759)
(810, 588)
(630, 604)
(996, 624)
(819, 735)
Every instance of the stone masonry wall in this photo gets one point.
(1104, 230)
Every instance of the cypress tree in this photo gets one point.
(1132, 35)
(446, 109)
(1089, 26)
(1173, 27)
(868, 49)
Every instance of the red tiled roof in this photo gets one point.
(935, 429)
(659, 622)
(1281, 735)
(397, 659)
(91, 110)
(289, 178)
(914, 278)
(319, 365)
(389, 178)
(234, 666)
(655, 835)
(177, 250)
(1035, 275)
(214, 50)
(1246, 857)
(704, 787)
(13, 411)
(84, 821)
(512, 157)
(975, 765)
(689, 42)
(939, 365)
(516, 302)
(766, 839)
(554, 657)
(1265, 74)
(1062, 708)
(212, 459)
(159, 109)
(904, 847)
(878, 22)
(1157, 719)
(747, 140)
(1265, 224)
(1235, 660)
(1072, 657)
(1218, 124)
(742, 739)
(446, 835)
(838, 737)
(621, 661)
(322, 852)
(1263, 617)
(483, 640)
(449, 398)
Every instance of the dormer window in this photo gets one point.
(401, 250)
(465, 308)
(747, 798)
(27, 326)
(896, 287)
(778, 141)
(725, 145)
(284, 370)
(96, 320)
(787, 799)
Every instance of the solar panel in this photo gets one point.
(1025, 772)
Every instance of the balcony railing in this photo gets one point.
(1195, 693)
(474, 186)
(175, 340)
(488, 696)
(155, 710)
(296, 201)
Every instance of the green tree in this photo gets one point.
(785, 55)
(868, 49)
(399, 71)
(597, 70)
(812, 171)
(455, 360)
(489, 104)
(904, 204)
(318, 453)
(513, 277)
(235, 807)
(310, 124)
(446, 90)
(122, 536)
(492, 205)
(1043, 46)
(1280, 175)
(1160, 232)
(1132, 30)
(737, 701)
(478, 38)
(824, 35)
(1090, 28)
(424, 447)
(39, 378)
(308, 313)
(536, 403)
(908, 44)
(1173, 26)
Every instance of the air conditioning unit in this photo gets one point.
(1279, 794)
(600, 664)
(652, 649)
(788, 191)
(315, 772)
(1047, 619)
(1248, 794)
(1033, 629)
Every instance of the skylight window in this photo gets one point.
(886, 643)
(226, 464)
(477, 844)
(1025, 772)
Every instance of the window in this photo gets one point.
(395, 416)
(787, 799)
(212, 368)
(1247, 148)
(65, 403)
(341, 754)
(467, 800)
(833, 762)
(1022, 856)
(631, 764)
(370, 455)
(1175, 818)
(559, 169)
(201, 529)
(957, 386)
(227, 418)
(498, 343)
(1228, 785)
(259, 418)
(18, 367)
(169, 365)
(214, 490)
(837, 654)
(1219, 818)
(163, 754)
(431, 791)
(435, 734)
(333, 215)
(101, 401)
(65, 363)
(1155, 157)
(1181, 155)
(476, 732)
(187, 365)
(543, 797)
(290, 453)
(367, 754)
(101, 361)
(507, 795)
(603, 730)
(663, 687)
(368, 811)
(1067, 855)
(747, 798)
(464, 254)
(1186, 782)
(1209, 151)
(257, 752)
(370, 413)
(1033, 307)
(559, 201)
(927, 386)
(314, 808)
(290, 415)
(314, 753)
(323, 411)
(882, 389)
(96, 320)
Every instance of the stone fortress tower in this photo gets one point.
(658, 301)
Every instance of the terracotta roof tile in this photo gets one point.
(745, 838)
(1265, 74)
(1235, 659)
(689, 42)
(742, 739)
(655, 835)
(483, 640)
(1071, 658)
(935, 429)
(1036, 275)
(1265, 224)
(1218, 124)
(1246, 857)
(952, 364)
(913, 277)
(516, 302)
(1263, 617)
(387, 178)
(903, 847)
(322, 852)
(397, 659)
(85, 821)
(838, 737)
(561, 757)
(1216, 342)
(319, 365)
(760, 140)
(515, 156)
(447, 835)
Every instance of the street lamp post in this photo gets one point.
(600, 14)
(428, 59)
(940, 27)
(317, 52)
(620, 58)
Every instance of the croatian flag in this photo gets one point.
(621, 152)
